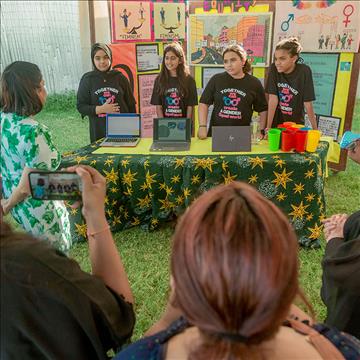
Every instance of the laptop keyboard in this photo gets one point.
(121, 140)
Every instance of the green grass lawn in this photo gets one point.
(146, 255)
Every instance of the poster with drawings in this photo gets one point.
(321, 26)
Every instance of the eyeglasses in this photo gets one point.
(352, 146)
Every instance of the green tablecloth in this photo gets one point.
(148, 189)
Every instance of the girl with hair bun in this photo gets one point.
(234, 277)
(174, 93)
(234, 93)
(290, 86)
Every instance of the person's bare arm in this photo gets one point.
(159, 111)
(203, 114)
(105, 259)
(273, 102)
(310, 111)
(20, 193)
(189, 111)
(263, 118)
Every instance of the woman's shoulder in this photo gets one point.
(18, 120)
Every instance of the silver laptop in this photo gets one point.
(122, 130)
(171, 134)
(231, 138)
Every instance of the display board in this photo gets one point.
(321, 26)
(210, 34)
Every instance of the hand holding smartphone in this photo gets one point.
(56, 185)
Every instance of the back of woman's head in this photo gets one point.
(240, 51)
(234, 265)
(20, 83)
(291, 44)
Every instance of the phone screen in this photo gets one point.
(57, 185)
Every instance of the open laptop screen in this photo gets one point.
(172, 129)
(118, 125)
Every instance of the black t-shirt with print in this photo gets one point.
(172, 102)
(292, 90)
(95, 89)
(234, 99)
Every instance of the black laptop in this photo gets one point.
(171, 134)
(231, 138)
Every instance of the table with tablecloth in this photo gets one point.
(148, 189)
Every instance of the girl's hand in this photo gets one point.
(5, 206)
(202, 132)
(110, 108)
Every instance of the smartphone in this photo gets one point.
(55, 185)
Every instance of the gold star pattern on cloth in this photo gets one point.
(79, 159)
(282, 178)
(298, 188)
(109, 161)
(179, 162)
(257, 161)
(281, 197)
(187, 192)
(279, 163)
(228, 178)
(149, 178)
(111, 176)
(195, 179)
(81, 230)
(309, 174)
(175, 179)
(299, 211)
(204, 163)
(253, 179)
(166, 204)
(128, 178)
(310, 197)
(315, 232)
(144, 202)
(179, 199)
(125, 163)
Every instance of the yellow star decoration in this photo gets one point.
(175, 179)
(169, 190)
(166, 204)
(129, 178)
(128, 191)
(315, 231)
(309, 217)
(68, 153)
(109, 161)
(144, 202)
(322, 217)
(195, 179)
(298, 188)
(93, 162)
(310, 160)
(179, 162)
(299, 211)
(253, 179)
(109, 212)
(319, 200)
(281, 197)
(282, 178)
(74, 211)
(144, 186)
(111, 176)
(154, 222)
(146, 164)
(229, 178)
(204, 163)
(113, 203)
(116, 220)
(150, 179)
(309, 174)
(187, 192)
(279, 163)
(276, 157)
(81, 229)
(257, 161)
(320, 169)
(106, 200)
(179, 199)
(79, 159)
(224, 165)
(310, 197)
(113, 190)
(135, 221)
(162, 186)
(126, 214)
(125, 163)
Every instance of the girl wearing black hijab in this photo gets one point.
(103, 91)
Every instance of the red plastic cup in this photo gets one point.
(300, 140)
(287, 140)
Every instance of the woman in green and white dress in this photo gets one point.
(26, 145)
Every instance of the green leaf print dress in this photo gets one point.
(25, 142)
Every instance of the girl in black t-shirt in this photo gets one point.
(290, 86)
(234, 93)
(103, 91)
(174, 92)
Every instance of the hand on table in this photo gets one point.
(202, 132)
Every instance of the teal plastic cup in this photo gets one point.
(274, 139)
